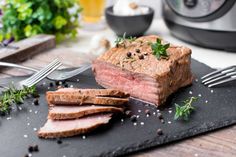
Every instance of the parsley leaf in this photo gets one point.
(159, 50)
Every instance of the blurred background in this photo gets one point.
(156, 4)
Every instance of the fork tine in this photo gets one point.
(44, 71)
(218, 75)
(36, 75)
(223, 81)
(49, 70)
(218, 71)
(77, 71)
(44, 75)
(213, 77)
(220, 78)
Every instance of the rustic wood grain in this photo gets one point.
(27, 48)
(221, 143)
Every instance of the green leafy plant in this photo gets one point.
(25, 18)
(185, 109)
(12, 95)
(159, 50)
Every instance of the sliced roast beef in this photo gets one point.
(94, 92)
(146, 77)
(66, 128)
(73, 112)
(70, 96)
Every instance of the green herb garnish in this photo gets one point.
(185, 109)
(12, 95)
(26, 18)
(121, 40)
(159, 50)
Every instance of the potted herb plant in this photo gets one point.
(26, 18)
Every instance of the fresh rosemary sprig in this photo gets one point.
(121, 40)
(185, 109)
(12, 95)
(159, 50)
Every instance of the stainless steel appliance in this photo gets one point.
(208, 23)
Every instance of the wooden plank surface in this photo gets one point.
(27, 47)
(221, 143)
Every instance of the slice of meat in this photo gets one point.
(72, 96)
(66, 128)
(147, 78)
(73, 112)
(94, 92)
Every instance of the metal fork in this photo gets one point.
(57, 75)
(37, 77)
(220, 76)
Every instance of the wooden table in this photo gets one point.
(215, 144)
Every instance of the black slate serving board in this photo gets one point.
(216, 108)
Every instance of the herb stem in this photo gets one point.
(185, 109)
(12, 95)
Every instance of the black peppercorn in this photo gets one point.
(159, 115)
(133, 118)
(59, 141)
(159, 132)
(36, 101)
(30, 149)
(36, 148)
(141, 57)
(137, 50)
(129, 54)
(57, 83)
(26, 155)
(51, 84)
(128, 113)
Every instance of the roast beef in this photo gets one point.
(66, 128)
(133, 68)
(71, 96)
(72, 112)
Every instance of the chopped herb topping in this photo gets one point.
(159, 50)
(185, 109)
(12, 95)
(121, 40)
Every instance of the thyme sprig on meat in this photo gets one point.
(159, 50)
(183, 111)
(12, 95)
(121, 40)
